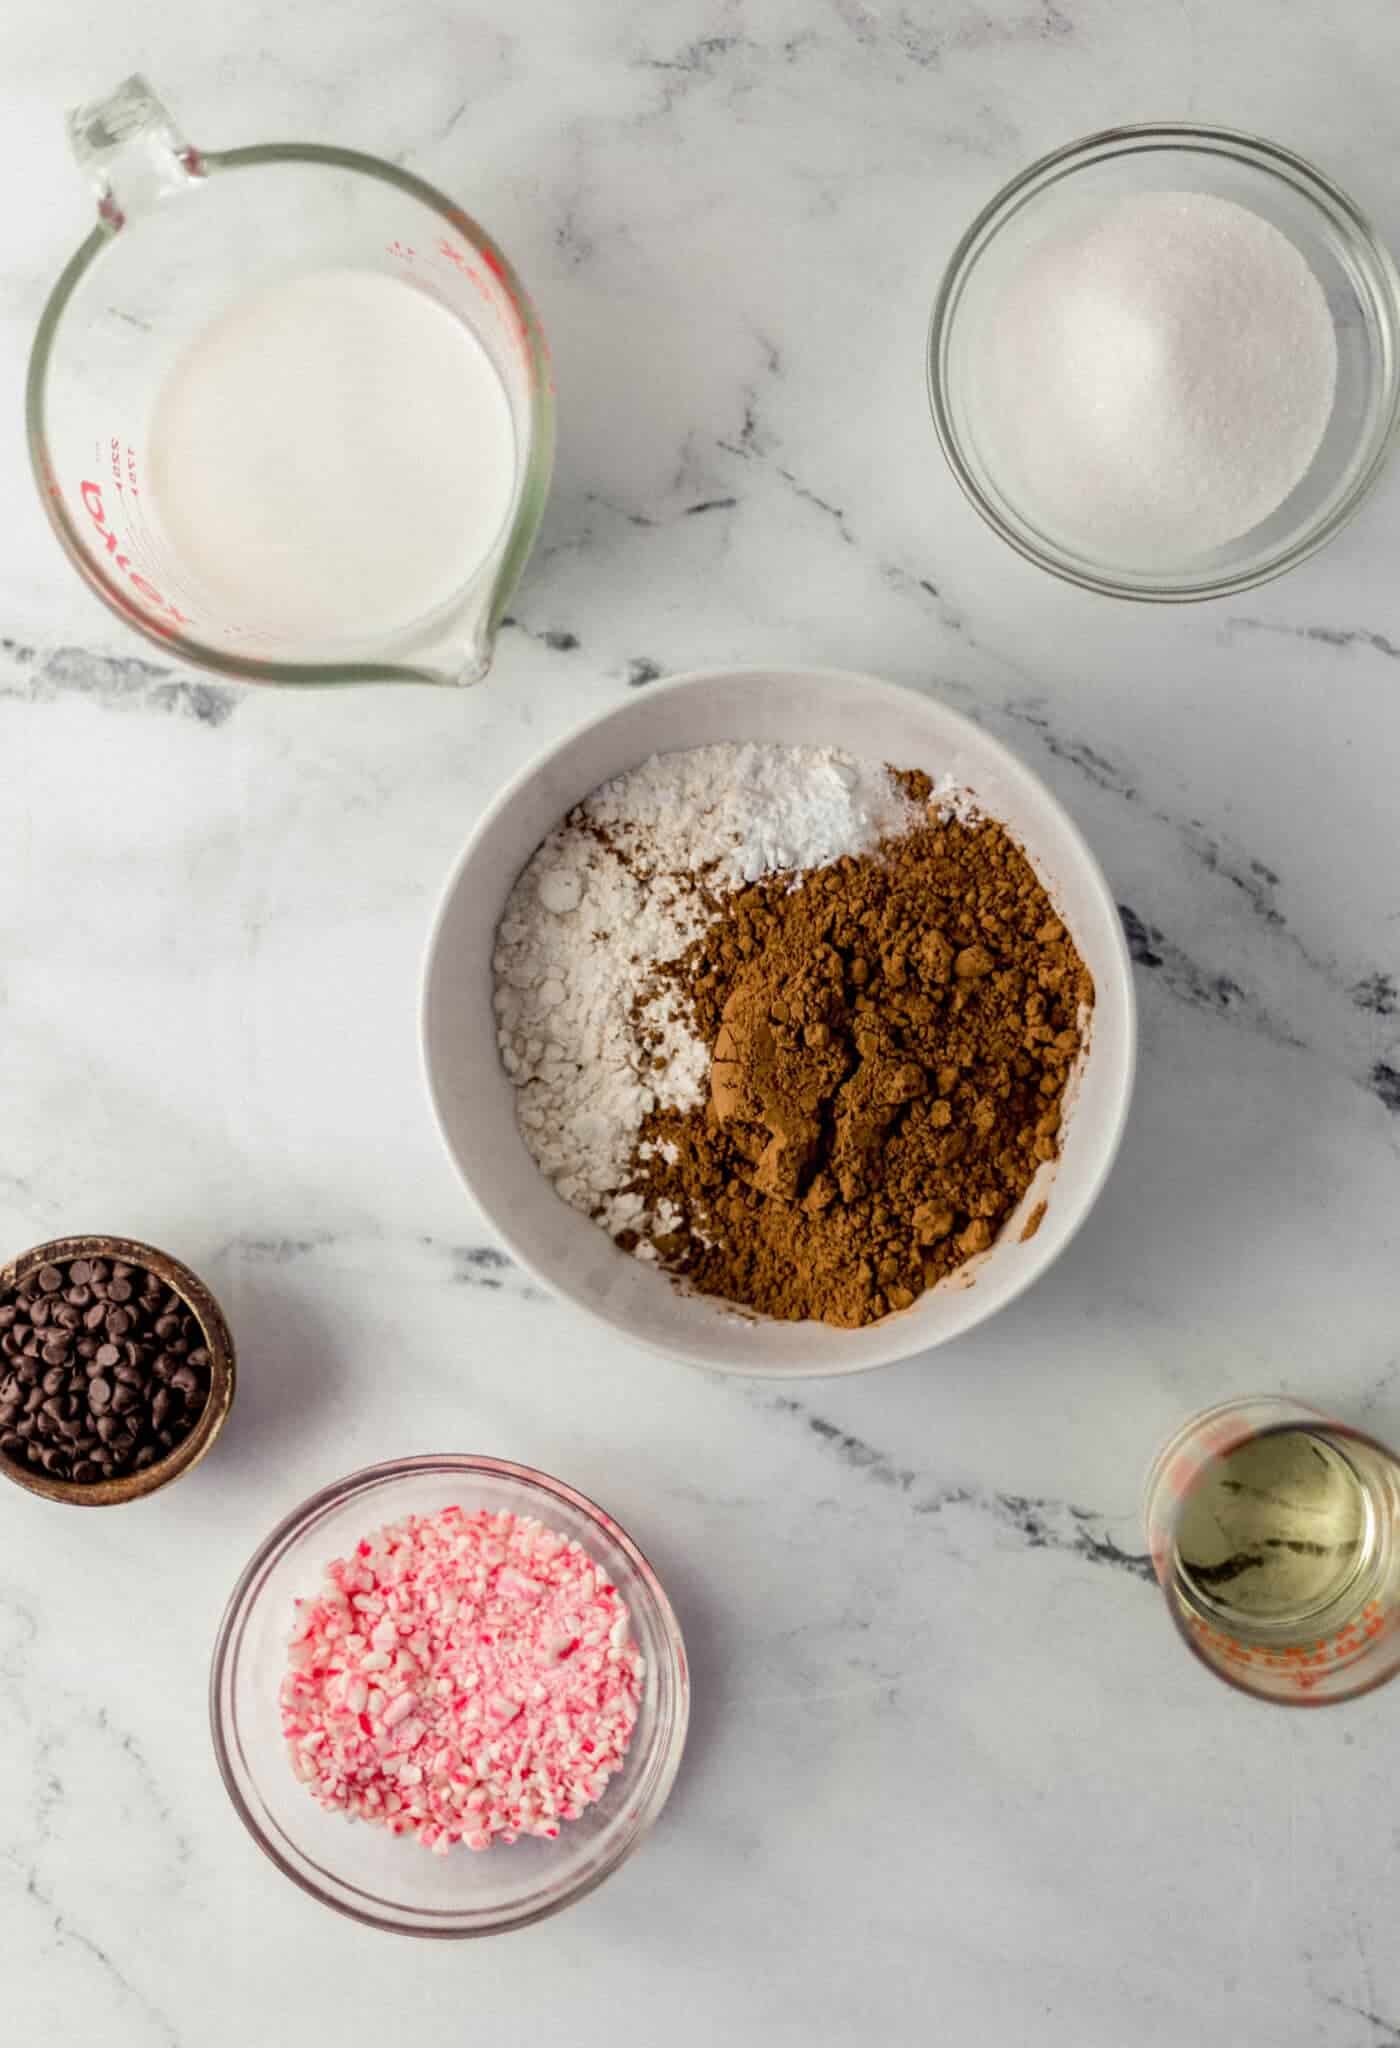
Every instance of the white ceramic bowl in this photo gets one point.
(475, 1102)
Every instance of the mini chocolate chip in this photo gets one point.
(85, 1470)
(107, 1371)
(50, 1279)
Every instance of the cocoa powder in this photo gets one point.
(890, 1042)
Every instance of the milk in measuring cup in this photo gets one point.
(332, 458)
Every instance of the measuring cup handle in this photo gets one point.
(131, 151)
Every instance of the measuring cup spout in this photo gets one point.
(388, 552)
(461, 657)
(131, 151)
(462, 652)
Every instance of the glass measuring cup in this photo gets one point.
(181, 235)
(1274, 1532)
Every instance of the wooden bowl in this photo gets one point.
(106, 1493)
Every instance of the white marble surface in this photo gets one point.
(951, 1777)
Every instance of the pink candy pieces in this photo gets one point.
(463, 1677)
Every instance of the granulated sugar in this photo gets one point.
(590, 1042)
(1158, 377)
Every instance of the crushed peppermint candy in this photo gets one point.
(462, 1677)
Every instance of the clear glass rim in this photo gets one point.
(1047, 170)
(1305, 1415)
(659, 1767)
(534, 487)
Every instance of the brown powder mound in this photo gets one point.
(890, 1043)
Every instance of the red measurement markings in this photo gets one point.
(495, 291)
(97, 512)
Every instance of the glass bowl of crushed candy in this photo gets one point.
(449, 1696)
(1163, 361)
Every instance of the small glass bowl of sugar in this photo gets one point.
(1164, 362)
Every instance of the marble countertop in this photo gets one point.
(950, 1776)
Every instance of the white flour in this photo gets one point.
(614, 890)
